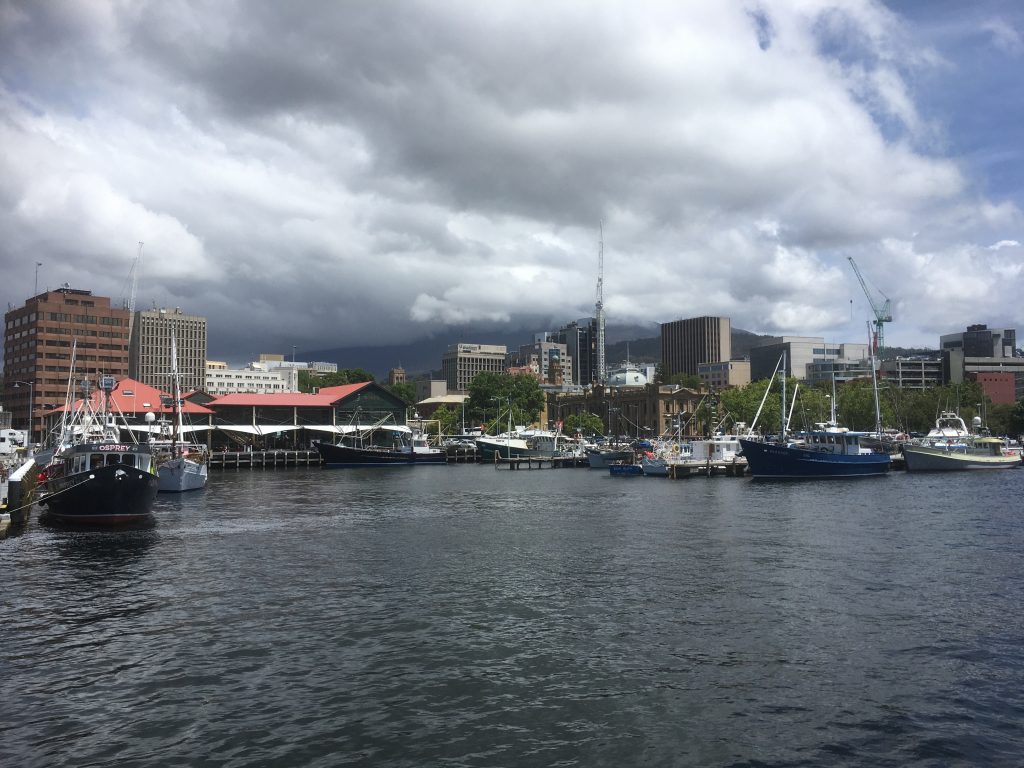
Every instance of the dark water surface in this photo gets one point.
(467, 616)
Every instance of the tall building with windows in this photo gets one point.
(546, 360)
(462, 362)
(685, 344)
(988, 356)
(811, 359)
(40, 339)
(150, 358)
(580, 338)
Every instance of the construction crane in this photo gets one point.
(602, 371)
(882, 309)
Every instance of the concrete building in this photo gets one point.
(802, 351)
(728, 373)
(638, 411)
(580, 338)
(150, 356)
(547, 360)
(462, 362)
(253, 379)
(913, 372)
(980, 352)
(38, 342)
(271, 361)
(685, 344)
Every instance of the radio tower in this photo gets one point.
(599, 308)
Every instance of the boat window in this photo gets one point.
(113, 458)
(95, 460)
(128, 459)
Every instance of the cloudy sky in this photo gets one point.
(342, 173)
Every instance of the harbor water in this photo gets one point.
(473, 616)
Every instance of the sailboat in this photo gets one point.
(181, 465)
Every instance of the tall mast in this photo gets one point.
(599, 309)
(131, 296)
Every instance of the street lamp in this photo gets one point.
(31, 393)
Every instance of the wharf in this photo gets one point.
(254, 459)
(540, 462)
(462, 455)
(731, 468)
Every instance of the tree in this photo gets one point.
(449, 419)
(1015, 421)
(308, 380)
(405, 390)
(688, 380)
(492, 393)
(587, 423)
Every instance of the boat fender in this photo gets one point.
(675, 449)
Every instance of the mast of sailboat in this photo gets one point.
(782, 415)
(599, 309)
(176, 386)
(767, 389)
(792, 407)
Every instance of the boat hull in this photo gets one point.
(109, 495)
(625, 470)
(604, 459)
(768, 460)
(181, 474)
(348, 456)
(921, 458)
(514, 448)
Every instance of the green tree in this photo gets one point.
(1015, 420)
(309, 380)
(587, 423)
(491, 393)
(688, 380)
(405, 390)
(449, 419)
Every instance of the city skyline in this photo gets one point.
(379, 173)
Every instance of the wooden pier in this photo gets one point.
(541, 462)
(733, 468)
(261, 459)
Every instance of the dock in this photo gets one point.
(731, 468)
(261, 459)
(541, 462)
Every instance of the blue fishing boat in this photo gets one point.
(818, 455)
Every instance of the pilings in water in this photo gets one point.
(540, 462)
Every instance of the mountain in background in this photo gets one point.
(424, 356)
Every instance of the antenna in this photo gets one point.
(599, 308)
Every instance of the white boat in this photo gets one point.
(950, 446)
(180, 466)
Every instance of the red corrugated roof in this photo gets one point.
(142, 399)
(326, 397)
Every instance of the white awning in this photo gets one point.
(346, 429)
(156, 428)
(258, 429)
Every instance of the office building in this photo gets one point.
(580, 338)
(547, 360)
(981, 354)
(685, 344)
(255, 378)
(40, 339)
(151, 360)
(727, 373)
(913, 372)
(803, 351)
(461, 363)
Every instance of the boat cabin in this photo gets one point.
(840, 443)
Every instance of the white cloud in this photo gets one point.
(370, 177)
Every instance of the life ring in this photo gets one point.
(675, 449)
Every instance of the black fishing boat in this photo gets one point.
(96, 478)
(403, 447)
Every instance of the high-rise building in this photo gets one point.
(580, 338)
(547, 360)
(462, 362)
(987, 355)
(150, 358)
(39, 339)
(685, 344)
